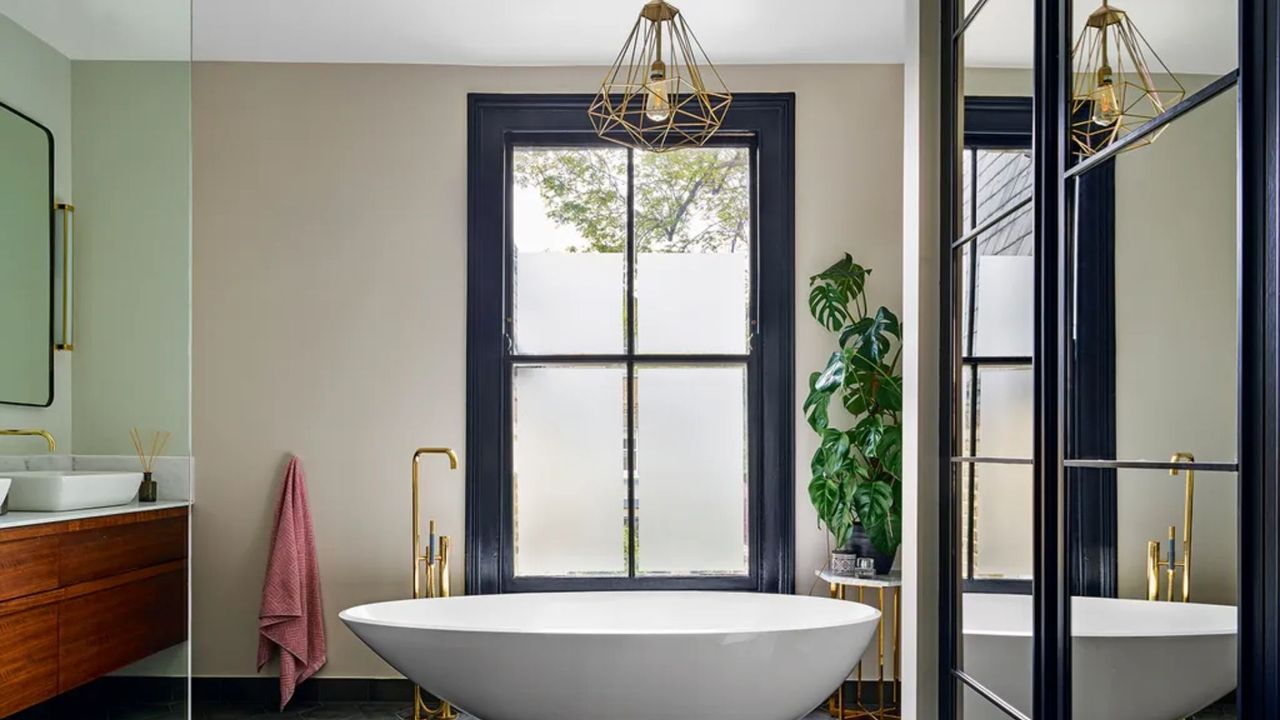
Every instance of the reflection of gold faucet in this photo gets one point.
(53, 445)
(435, 560)
(1170, 565)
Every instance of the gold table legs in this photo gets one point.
(837, 706)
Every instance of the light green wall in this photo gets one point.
(36, 79)
(131, 124)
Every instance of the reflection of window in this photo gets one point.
(997, 326)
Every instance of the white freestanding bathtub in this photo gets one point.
(1130, 659)
(622, 655)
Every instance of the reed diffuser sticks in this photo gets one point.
(148, 491)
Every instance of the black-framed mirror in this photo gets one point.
(26, 260)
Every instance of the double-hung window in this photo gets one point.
(629, 353)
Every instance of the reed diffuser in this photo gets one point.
(148, 491)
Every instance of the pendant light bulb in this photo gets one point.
(1106, 105)
(657, 101)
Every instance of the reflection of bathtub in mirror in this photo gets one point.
(1131, 659)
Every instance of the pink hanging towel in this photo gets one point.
(292, 617)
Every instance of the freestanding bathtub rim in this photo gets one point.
(1198, 620)
(844, 613)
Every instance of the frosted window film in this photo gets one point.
(1002, 519)
(1004, 412)
(1004, 322)
(687, 303)
(569, 214)
(692, 234)
(568, 303)
(568, 470)
(691, 470)
(1003, 493)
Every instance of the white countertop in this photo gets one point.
(22, 519)
(892, 580)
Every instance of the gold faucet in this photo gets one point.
(1170, 564)
(434, 558)
(16, 432)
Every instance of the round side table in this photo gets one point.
(837, 705)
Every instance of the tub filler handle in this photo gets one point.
(1170, 566)
(430, 572)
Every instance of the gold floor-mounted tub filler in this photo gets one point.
(1169, 566)
(430, 574)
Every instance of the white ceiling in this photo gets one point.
(538, 32)
(108, 29)
(463, 32)
(1191, 35)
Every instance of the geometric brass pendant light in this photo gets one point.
(662, 91)
(1114, 89)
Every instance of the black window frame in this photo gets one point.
(496, 124)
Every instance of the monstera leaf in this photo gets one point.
(832, 291)
(827, 305)
(856, 473)
(878, 505)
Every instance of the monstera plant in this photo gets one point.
(857, 468)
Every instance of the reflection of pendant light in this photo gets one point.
(662, 91)
(1114, 88)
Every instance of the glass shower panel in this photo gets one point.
(998, 502)
(994, 607)
(997, 411)
(1161, 326)
(1152, 396)
(569, 471)
(997, 50)
(996, 292)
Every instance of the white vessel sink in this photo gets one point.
(4, 490)
(58, 490)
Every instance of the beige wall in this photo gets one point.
(329, 315)
(1176, 341)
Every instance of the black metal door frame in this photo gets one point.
(1258, 390)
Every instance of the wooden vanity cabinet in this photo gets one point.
(82, 598)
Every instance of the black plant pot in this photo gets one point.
(860, 544)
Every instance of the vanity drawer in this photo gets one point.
(107, 551)
(28, 657)
(106, 630)
(28, 566)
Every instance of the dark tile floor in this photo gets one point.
(398, 711)
(368, 711)
(1217, 712)
(333, 711)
